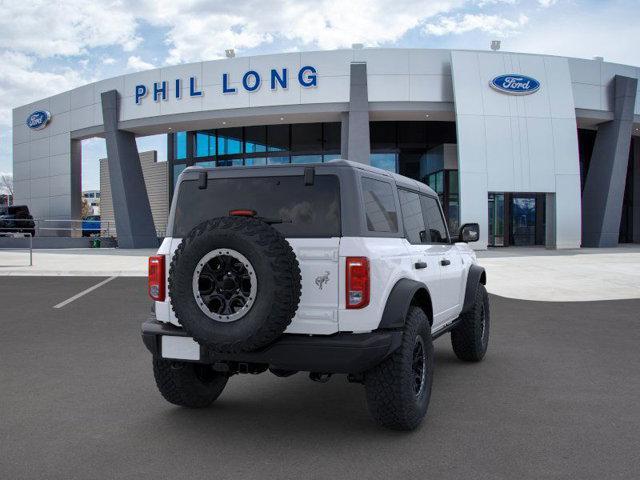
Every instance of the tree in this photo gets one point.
(6, 183)
(6, 186)
(86, 208)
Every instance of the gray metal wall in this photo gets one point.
(156, 179)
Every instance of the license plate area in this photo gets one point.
(180, 348)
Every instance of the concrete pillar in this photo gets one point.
(344, 135)
(358, 143)
(636, 190)
(76, 184)
(604, 187)
(550, 225)
(131, 208)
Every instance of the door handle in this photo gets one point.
(444, 262)
(420, 265)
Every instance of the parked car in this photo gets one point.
(17, 219)
(91, 225)
(334, 268)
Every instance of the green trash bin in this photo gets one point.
(95, 243)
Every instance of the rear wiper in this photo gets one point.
(271, 221)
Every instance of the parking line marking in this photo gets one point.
(84, 292)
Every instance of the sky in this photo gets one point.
(48, 47)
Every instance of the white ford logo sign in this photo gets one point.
(38, 119)
(515, 84)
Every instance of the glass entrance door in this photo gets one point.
(523, 220)
(496, 220)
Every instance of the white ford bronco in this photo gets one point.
(334, 268)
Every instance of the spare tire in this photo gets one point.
(234, 284)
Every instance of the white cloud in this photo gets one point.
(547, 3)
(136, 63)
(491, 24)
(71, 27)
(325, 24)
(587, 37)
(21, 83)
(108, 61)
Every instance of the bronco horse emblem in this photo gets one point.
(322, 279)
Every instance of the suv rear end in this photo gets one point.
(313, 207)
(310, 268)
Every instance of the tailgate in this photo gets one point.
(318, 309)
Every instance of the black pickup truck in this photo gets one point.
(17, 219)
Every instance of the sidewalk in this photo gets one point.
(98, 262)
(584, 274)
(522, 273)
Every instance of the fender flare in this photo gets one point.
(399, 301)
(476, 276)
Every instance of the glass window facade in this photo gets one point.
(255, 145)
(205, 144)
(411, 149)
(396, 146)
(180, 146)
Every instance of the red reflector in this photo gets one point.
(242, 213)
(156, 278)
(357, 282)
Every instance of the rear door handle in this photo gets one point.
(420, 265)
(444, 262)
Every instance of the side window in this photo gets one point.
(379, 206)
(437, 232)
(412, 217)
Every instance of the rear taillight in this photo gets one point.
(357, 282)
(156, 278)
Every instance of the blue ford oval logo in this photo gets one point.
(515, 84)
(38, 119)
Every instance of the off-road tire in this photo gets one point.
(469, 339)
(191, 385)
(278, 282)
(389, 386)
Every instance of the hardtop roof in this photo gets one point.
(399, 180)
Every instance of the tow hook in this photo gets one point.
(320, 377)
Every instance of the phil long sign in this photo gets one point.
(250, 81)
(515, 84)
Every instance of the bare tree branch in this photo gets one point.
(6, 186)
(7, 182)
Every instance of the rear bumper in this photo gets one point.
(338, 353)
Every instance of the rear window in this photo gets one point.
(19, 210)
(306, 210)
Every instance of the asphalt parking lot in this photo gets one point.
(558, 396)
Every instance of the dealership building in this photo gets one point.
(539, 150)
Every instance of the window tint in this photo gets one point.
(412, 216)
(379, 205)
(180, 146)
(385, 161)
(278, 138)
(205, 144)
(332, 136)
(229, 141)
(433, 220)
(306, 137)
(255, 139)
(305, 210)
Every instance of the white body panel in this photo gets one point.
(322, 309)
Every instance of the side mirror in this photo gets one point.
(469, 232)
